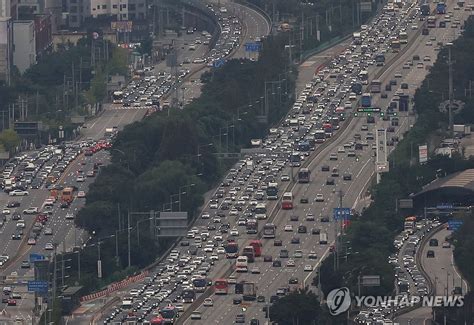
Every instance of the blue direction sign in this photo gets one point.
(38, 286)
(218, 63)
(253, 47)
(454, 224)
(444, 206)
(36, 257)
(342, 214)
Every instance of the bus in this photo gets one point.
(410, 223)
(295, 159)
(375, 86)
(364, 77)
(287, 201)
(431, 22)
(323, 238)
(304, 175)
(221, 287)
(269, 230)
(380, 59)
(441, 8)
(117, 97)
(241, 264)
(403, 36)
(231, 249)
(67, 194)
(188, 296)
(261, 211)
(249, 253)
(272, 191)
(320, 136)
(251, 226)
(304, 146)
(257, 247)
(425, 8)
(169, 314)
(395, 45)
(200, 284)
(356, 38)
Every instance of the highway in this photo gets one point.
(271, 278)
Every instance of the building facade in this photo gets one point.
(77, 11)
(6, 49)
(24, 44)
(43, 35)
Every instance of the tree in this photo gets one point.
(9, 139)
(301, 307)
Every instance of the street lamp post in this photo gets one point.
(171, 200)
(180, 192)
(198, 151)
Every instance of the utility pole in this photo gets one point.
(55, 245)
(128, 231)
(451, 93)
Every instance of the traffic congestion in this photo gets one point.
(234, 231)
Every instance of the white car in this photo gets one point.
(309, 217)
(81, 194)
(255, 270)
(234, 232)
(6, 211)
(308, 268)
(319, 198)
(298, 253)
(18, 193)
(196, 315)
(69, 215)
(288, 228)
(220, 250)
(205, 215)
(208, 302)
(341, 150)
(290, 263)
(285, 178)
(49, 247)
(31, 210)
(80, 178)
(233, 212)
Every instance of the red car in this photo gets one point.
(11, 302)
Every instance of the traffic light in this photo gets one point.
(356, 114)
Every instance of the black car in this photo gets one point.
(302, 230)
(261, 299)
(254, 321)
(347, 177)
(325, 168)
(267, 258)
(16, 236)
(16, 216)
(315, 231)
(295, 240)
(64, 205)
(324, 219)
(284, 253)
(330, 181)
(237, 301)
(276, 263)
(277, 242)
(293, 280)
(294, 218)
(13, 204)
(304, 200)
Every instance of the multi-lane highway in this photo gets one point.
(401, 68)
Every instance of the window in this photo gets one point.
(104, 6)
(73, 9)
(72, 1)
(141, 5)
(131, 16)
(98, 6)
(131, 7)
(124, 6)
(124, 16)
(114, 6)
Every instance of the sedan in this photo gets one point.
(319, 198)
(276, 263)
(18, 193)
(31, 241)
(49, 247)
(13, 204)
(295, 240)
(290, 263)
(81, 194)
(80, 179)
(288, 228)
(208, 302)
(308, 268)
(31, 210)
(255, 270)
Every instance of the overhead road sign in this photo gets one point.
(342, 214)
(253, 47)
(38, 286)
